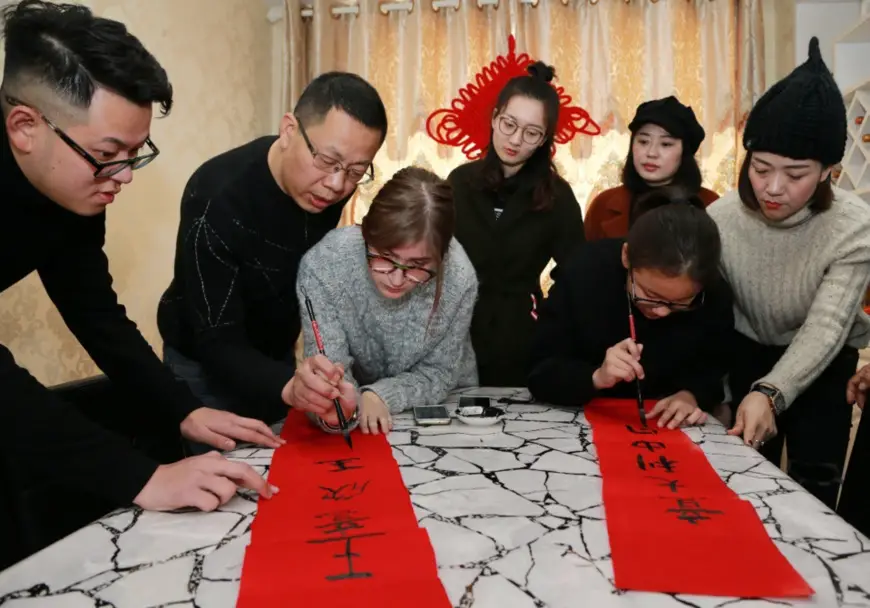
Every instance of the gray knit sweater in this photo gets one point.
(799, 282)
(385, 345)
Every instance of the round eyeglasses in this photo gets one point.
(531, 135)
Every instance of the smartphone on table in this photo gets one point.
(427, 415)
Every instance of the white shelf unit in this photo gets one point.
(855, 170)
(852, 73)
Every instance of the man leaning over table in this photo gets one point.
(230, 318)
(77, 99)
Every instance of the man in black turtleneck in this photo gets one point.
(230, 318)
(77, 99)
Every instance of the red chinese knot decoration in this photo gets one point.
(466, 123)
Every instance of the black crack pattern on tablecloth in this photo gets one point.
(514, 514)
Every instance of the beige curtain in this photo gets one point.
(610, 55)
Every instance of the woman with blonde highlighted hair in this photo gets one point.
(393, 299)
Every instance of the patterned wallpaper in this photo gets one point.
(219, 58)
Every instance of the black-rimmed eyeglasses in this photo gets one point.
(385, 265)
(696, 302)
(101, 169)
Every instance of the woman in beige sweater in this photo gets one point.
(796, 251)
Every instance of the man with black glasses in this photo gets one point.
(230, 318)
(77, 98)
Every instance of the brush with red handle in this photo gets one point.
(342, 421)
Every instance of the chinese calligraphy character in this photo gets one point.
(643, 431)
(671, 484)
(652, 446)
(341, 522)
(662, 463)
(690, 510)
(340, 464)
(338, 528)
(343, 492)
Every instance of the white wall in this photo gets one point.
(827, 19)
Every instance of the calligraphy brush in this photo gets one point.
(342, 422)
(640, 410)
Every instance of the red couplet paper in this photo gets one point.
(674, 525)
(341, 532)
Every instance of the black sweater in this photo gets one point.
(46, 440)
(509, 254)
(232, 302)
(587, 312)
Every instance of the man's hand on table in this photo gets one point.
(219, 429)
(856, 390)
(205, 482)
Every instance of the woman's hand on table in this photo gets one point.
(204, 482)
(856, 390)
(754, 420)
(621, 364)
(219, 429)
(680, 409)
(374, 414)
(315, 384)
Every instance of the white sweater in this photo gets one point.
(799, 282)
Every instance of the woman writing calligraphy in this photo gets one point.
(665, 276)
(393, 299)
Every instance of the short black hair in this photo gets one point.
(72, 52)
(822, 200)
(346, 92)
(676, 236)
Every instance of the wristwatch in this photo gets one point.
(773, 394)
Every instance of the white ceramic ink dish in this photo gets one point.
(480, 416)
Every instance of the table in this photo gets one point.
(514, 513)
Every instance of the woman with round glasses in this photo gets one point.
(665, 277)
(513, 215)
(393, 300)
(665, 135)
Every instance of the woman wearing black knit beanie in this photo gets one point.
(796, 251)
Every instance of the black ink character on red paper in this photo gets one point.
(341, 464)
(344, 492)
(662, 463)
(691, 511)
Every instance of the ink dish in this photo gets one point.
(477, 415)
